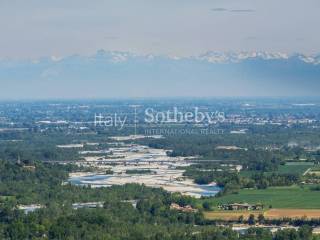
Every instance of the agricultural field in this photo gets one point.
(292, 213)
(295, 167)
(268, 214)
(298, 168)
(276, 197)
(230, 215)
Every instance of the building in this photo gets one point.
(186, 208)
(30, 208)
(87, 205)
(241, 206)
(132, 202)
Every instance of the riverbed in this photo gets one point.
(184, 186)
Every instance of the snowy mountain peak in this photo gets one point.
(233, 57)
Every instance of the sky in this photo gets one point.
(52, 48)
(38, 28)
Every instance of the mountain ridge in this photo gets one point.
(209, 56)
(115, 73)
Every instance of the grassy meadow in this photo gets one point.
(275, 197)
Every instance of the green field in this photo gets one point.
(291, 167)
(294, 168)
(277, 197)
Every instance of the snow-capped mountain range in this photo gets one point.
(218, 57)
(210, 56)
(117, 73)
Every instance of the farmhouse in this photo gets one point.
(187, 208)
(29, 168)
(241, 206)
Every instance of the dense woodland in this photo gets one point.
(118, 219)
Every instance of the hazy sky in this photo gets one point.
(35, 28)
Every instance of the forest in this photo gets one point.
(152, 217)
